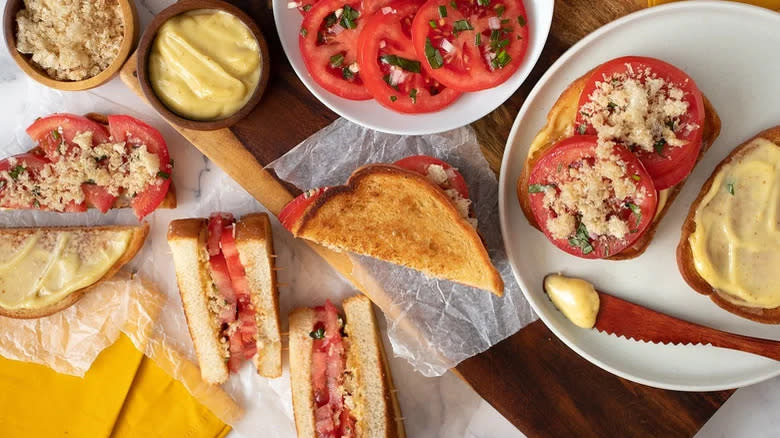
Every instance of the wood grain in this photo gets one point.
(533, 379)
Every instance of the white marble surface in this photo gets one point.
(439, 407)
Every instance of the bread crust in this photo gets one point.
(563, 113)
(685, 262)
(300, 227)
(136, 242)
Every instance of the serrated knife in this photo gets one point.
(623, 318)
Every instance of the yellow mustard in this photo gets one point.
(204, 64)
(39, 269)
(574, 297)
(736, 245)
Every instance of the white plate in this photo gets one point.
(369, 113)
(732, 51)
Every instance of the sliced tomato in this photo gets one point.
(136, 133)
(297, 207)
(217, 222)
(98, 197)
(51, 131)
(28, 162)
(670, 164)
(329, 46)
(572, 152)
(235, 268)
(391, 70)
(221, 277)
(421, 164)
(471, 45)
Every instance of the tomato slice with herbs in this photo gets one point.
(471, 45)
(136, 133)
(422, 163)
(52, 131)
(24, 163)
(328, 43)
(98, 197)
(569, 168)
(297, 207)
(667, 164)
(391, 70)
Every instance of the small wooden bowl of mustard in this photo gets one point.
(79, 80)
(203, 64)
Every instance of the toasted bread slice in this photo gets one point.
(399, 216)
(187, 239)
(685, 260)
(83, 241)
(560, 125)
(376, 409)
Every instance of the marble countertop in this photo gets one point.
(751, 412)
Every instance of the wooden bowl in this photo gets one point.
(145, 47)
(130, 18)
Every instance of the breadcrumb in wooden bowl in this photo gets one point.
(70, 45)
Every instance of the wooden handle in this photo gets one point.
(762, 347)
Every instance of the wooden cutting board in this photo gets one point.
(532, 378)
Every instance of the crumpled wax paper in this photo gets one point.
(434, 324)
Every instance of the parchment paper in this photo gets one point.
(451, 322)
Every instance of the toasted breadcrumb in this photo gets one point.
(70, 39)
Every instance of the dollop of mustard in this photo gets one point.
(574, 297)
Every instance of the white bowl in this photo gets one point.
(467, 109)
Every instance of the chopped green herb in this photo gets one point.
(306, 8)
(55, 134)
(330, 20)
(505, 21)
(539, 188)
(478, 39)
(347, 74)
(581, 240)
(461, 25)
(336, 60)
(520, 20)
(500, 10)
(413, 95)
(483, 2)
(443, 11)
(348, 17)
(100, 158)
(670, 124)
(495, 45)
(386, 78)
(636, 177)
(318, 333)
(582, 128)
(393, 98)
(659, 147)
(36, 191)
(433, 24)
(406, 64)
(163, 175)
(304, 32)
(36, 203)
(90, 182)
(454, 5)
(435, 59)
(637, 211)
(495, 35)
(501, 59)
(16, 171)
(171, 163)
(612, 105)
(2, 183)
(614, 82)
(730, 188)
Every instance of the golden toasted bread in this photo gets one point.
(92, 234)
(399, 216)
(560, 125)
(685, 261)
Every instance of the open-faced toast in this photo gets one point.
(685, 257)
(399, 216)
(80, 256)
(561, 124)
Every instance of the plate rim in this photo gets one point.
(503, 185)
(312, 87)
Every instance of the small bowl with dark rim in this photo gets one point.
(145, 48)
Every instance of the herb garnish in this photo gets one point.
(501, 59)
(413, 95)
(435, 59)
(318, 333)
(612, 105)
(16, 171)
(539, 188)
(433, 24)
(636, 210)
(163, 175)
(393, 98)
(478, 39)
(461, 25)
(636, 177)
(442, 11)
(582, 128)
(581, 240)
(406, 64)
(500, 10)
(386, 78)
(347, 74)
(730, 188)
(454, 5)
(55, 134)
(659, 147)
(336, 60)
(483, 2)
(348, 17)
(520, 20)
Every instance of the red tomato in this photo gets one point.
(295, 208)
(217, 222)
(221, 276)
(421, 163)
(672, 164)
(31, 163)
(472, 45)
(386, 56)
(135, 133)
(51, 131)
(235, 268)
(570, 153)
(98, 197)
(329, 46)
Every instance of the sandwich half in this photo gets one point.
(415, 213)
(227, 282)
(341, 384)
(47, 269)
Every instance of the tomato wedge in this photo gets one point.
(552, 172)
(297, 207)
(51, 131)
(135, 133)
(471, 45)
(98, 197)
(421, 164)
(667, 164)
(328, 43)
(390, 68)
